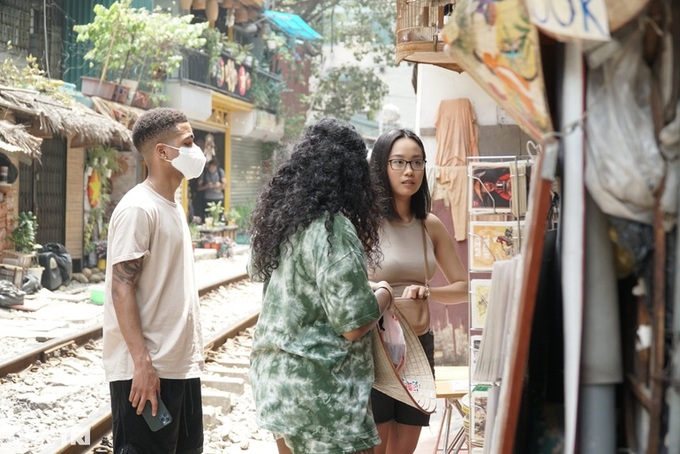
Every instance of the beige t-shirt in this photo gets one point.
(144, 224)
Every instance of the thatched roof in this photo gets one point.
(122, 113)
(15, 139)
(83, 125)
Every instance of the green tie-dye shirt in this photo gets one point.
(309, 382)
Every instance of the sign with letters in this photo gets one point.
(571, 19)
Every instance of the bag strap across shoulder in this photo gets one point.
(427, 267)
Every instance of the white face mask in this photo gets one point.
(190, 161)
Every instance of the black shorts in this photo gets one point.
(131, 434)
(386, 409)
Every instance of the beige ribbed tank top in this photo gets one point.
(403, 259)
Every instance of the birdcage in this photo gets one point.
(419, 25)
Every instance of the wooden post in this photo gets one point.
(657, 380)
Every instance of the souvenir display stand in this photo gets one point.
(498, 188)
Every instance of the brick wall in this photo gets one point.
(7, 215)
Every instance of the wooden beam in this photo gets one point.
(513, 381)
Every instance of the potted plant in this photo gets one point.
(112, 34)
(274, 41)
(127, 40)
(161, 41)
(241, 53)
(214, 210)
(101, 249)
(23, 238)
(232, 216)
(23, 235)
(225, 247)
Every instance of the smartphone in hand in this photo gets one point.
(162, 418)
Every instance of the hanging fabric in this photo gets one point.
(457, 138)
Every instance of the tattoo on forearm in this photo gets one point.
(128, 272)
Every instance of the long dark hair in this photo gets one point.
(420, 202)
(327, 174)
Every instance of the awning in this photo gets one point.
(64, 117)
(293, 25)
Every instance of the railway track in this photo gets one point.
(101, 423)
(98, 424)
(51, 348)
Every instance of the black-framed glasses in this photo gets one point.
(400, 164)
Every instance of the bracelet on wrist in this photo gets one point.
(426, 294)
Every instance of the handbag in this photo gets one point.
(417, 310)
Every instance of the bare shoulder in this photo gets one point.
(434, 225)
(438, 232)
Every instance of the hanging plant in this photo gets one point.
(213, 46)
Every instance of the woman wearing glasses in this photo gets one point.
(409, 234)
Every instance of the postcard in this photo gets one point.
(490, 187)
(478, 407)
(492, 241)
(498, 187)
(479, 301)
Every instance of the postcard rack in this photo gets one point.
(498, 188)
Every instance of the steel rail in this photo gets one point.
(42, 352)
(100, 424)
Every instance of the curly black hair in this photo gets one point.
(326, 174)
(421, 200)
(154, 123)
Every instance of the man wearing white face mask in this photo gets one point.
(152, 333)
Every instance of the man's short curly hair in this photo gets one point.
(154, 123)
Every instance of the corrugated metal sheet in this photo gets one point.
(246, 171)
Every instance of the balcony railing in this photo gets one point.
(238, 80)
(419, 25)
(225, 76)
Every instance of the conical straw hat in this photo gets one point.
(414, 384)
(620, 13)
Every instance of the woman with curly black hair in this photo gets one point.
(409, 234)
(315, 227)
